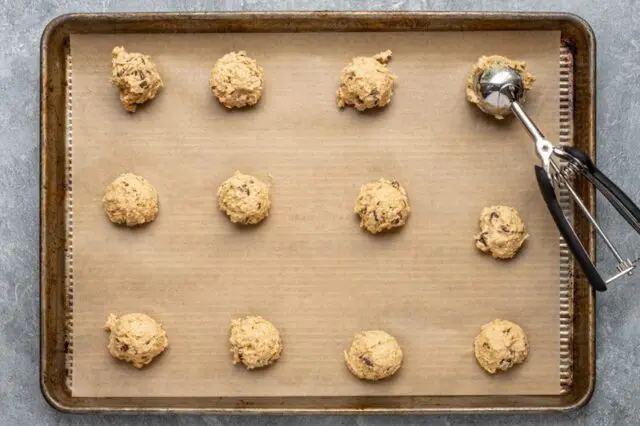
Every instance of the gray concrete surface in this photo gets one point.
(617, 26)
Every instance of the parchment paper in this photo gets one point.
(309, 268)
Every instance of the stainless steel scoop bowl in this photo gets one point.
(497, 88)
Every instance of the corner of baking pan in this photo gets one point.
(49, 393)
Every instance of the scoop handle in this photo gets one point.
(567, 232)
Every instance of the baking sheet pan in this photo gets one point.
(319, 250)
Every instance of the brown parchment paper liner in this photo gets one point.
(308, 268)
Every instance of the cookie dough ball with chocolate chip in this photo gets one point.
(502, 232)
(486, 62)
(237, 80)
(244, 198)
(382, 205)
(500, 345)
(135, 338)
(130, 200)
(373, 355)
(255, 342)
(366, 82)
(136, 76)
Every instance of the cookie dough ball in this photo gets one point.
(373, 355)
(136, 77)
(502, 232)
(130, 200)
(382, 205)
(237, 80)
(366, 82)
(244, 198)
(500, 345)
(135, 338)
(486, 62)
(255, 342)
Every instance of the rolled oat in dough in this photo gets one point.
(382, 205)
(486, 62)
(366, 82)
(373, 355)
(502, 232)
(130, 200)
(500, 345)
(135, 338)
(255, 342)
(244, 198)
(136, 76)
(237, 80)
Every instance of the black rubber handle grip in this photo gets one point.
(567, 231)
(616, 196)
